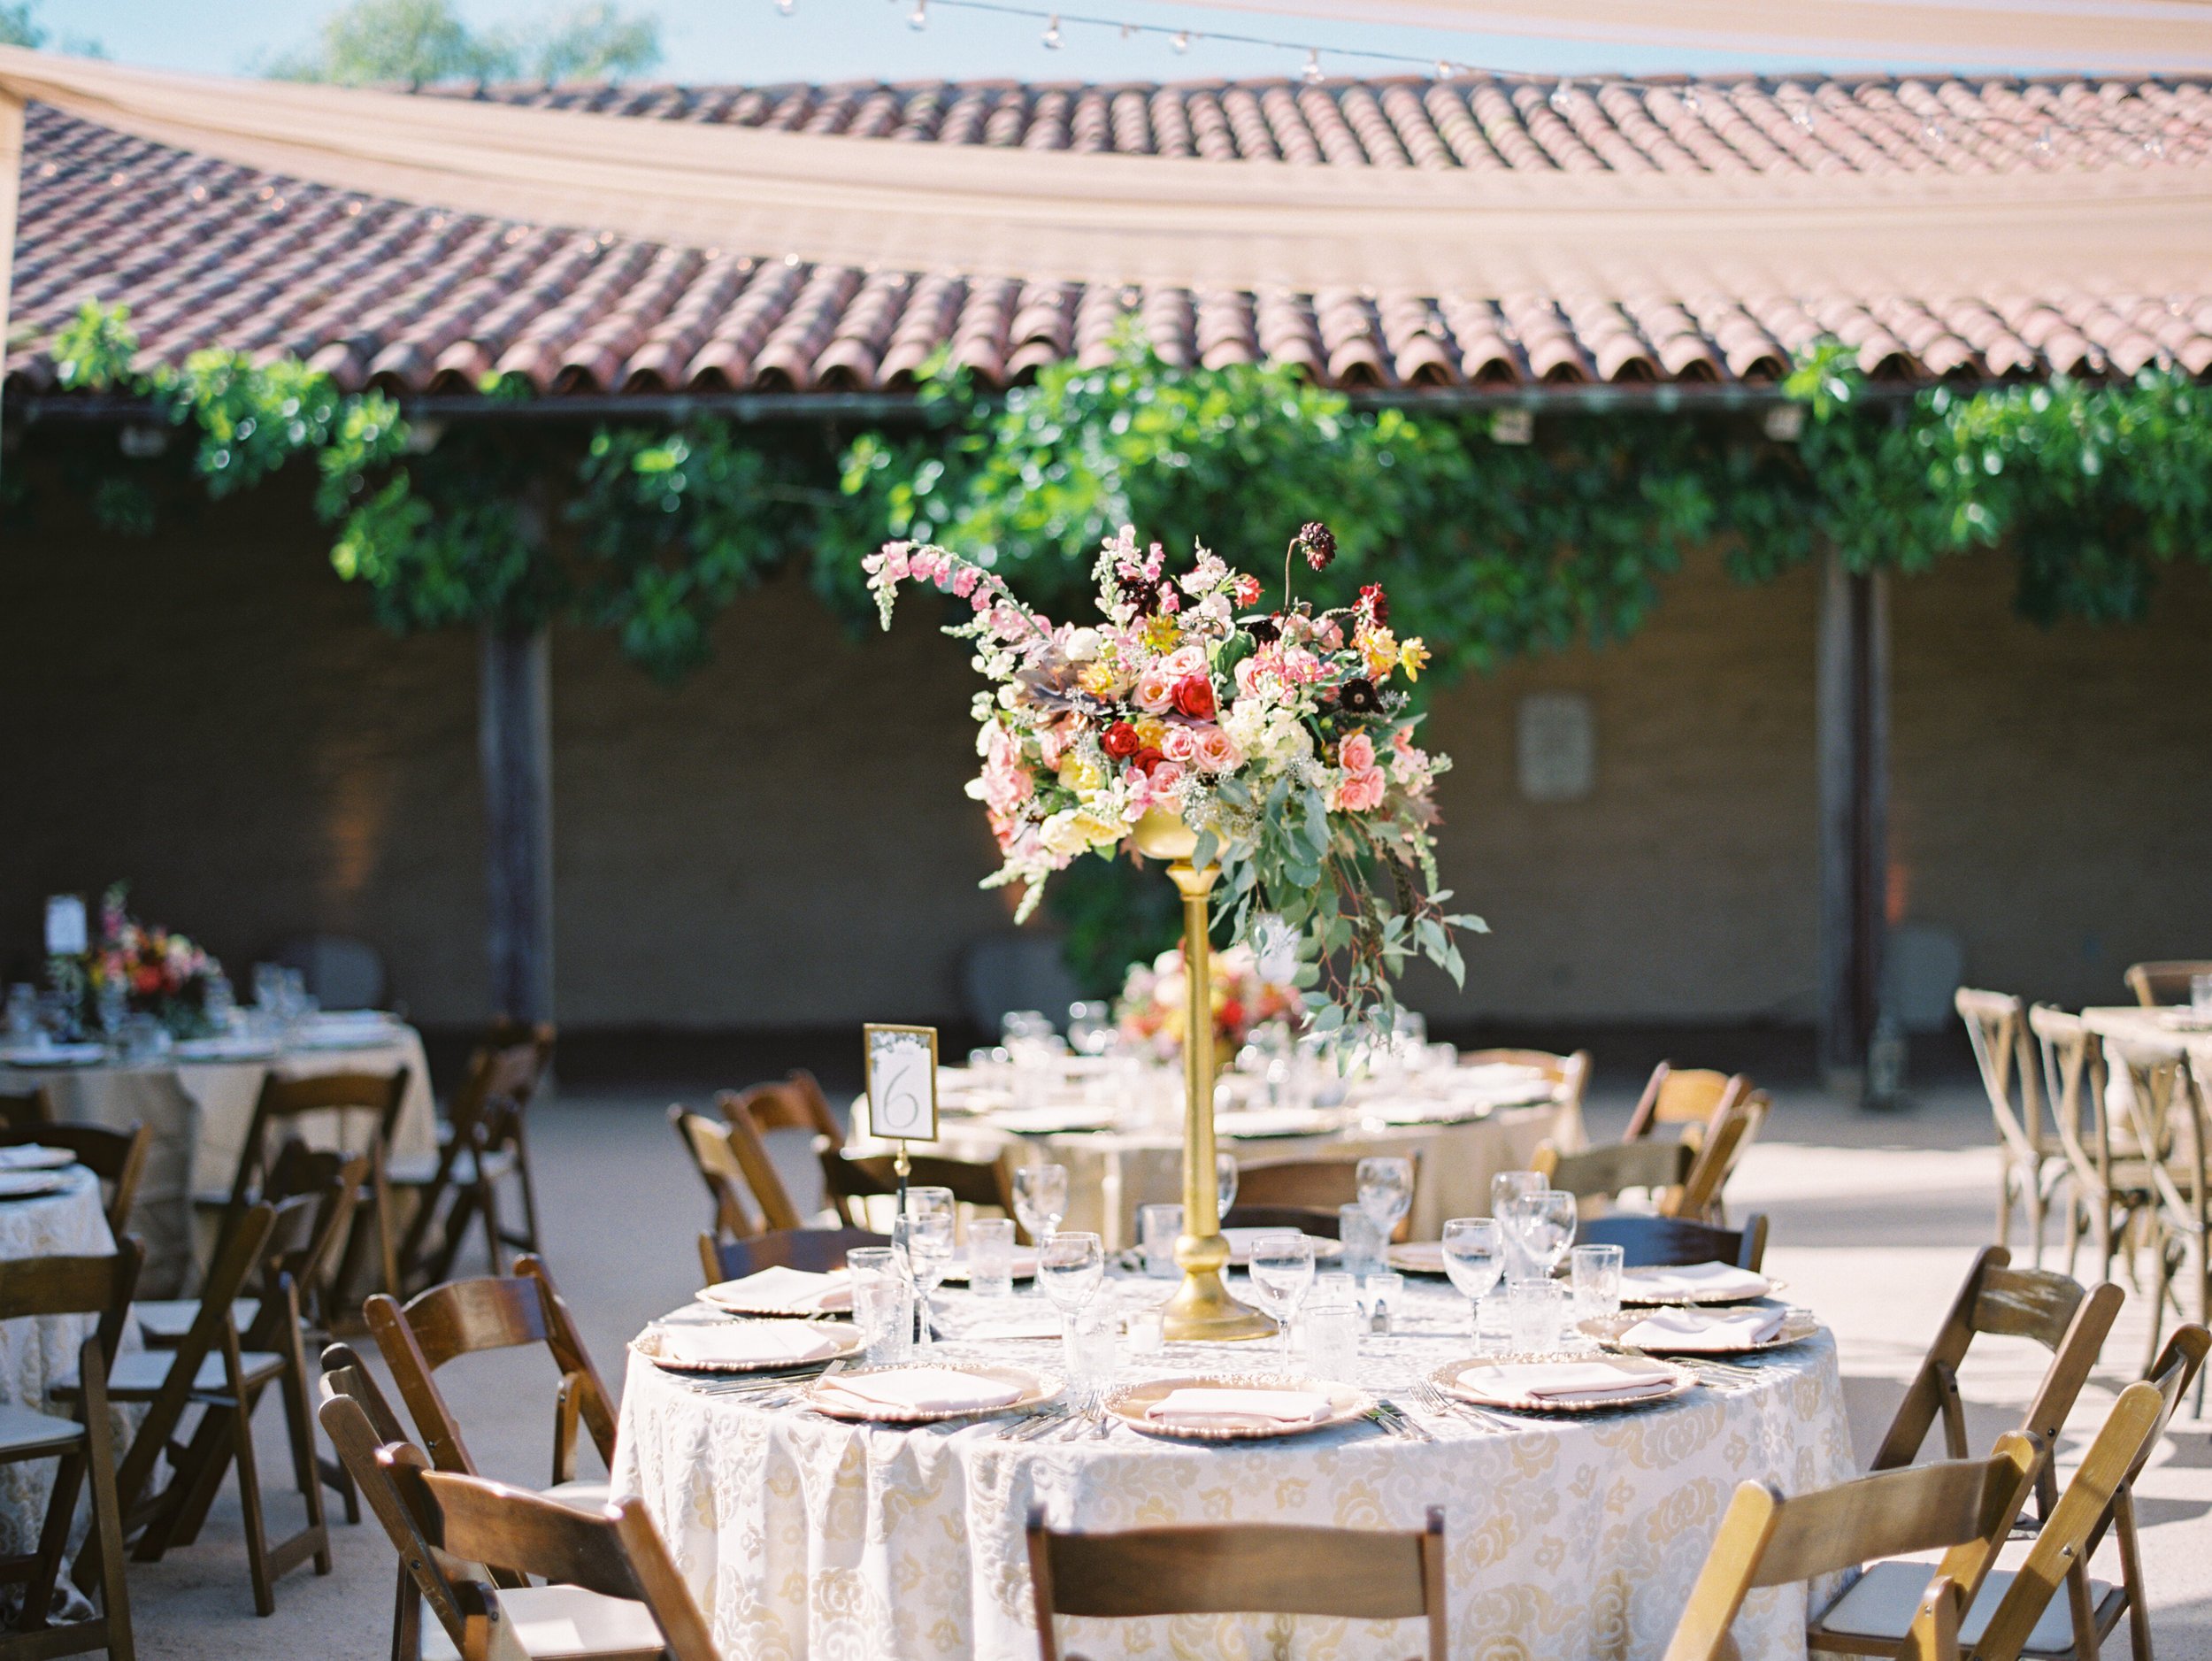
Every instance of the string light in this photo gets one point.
(1052, 34)
(918, 19)
(1311, 73)
(1181, 42)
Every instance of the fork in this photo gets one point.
(1404, 1420)
(1438, 1403)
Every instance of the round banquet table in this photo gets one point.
(37, 1349)
(1570, 1536)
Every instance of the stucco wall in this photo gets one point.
(783, 841)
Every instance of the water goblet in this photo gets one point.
(1282, 1269)
(924, 1233)
(1385, 1189)
(1543, 1224)
(1090, 1027)
(1505, 1188)
(1474, 1257)
(1072, 1267)
(1041, 1199)
(1224, 1182)
(1361, 1237)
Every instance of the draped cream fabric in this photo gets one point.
(1251, 225)
(2087, 35)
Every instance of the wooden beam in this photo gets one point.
(1853, 749)
(515, 749)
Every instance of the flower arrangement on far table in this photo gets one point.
(140, 969)
(1284, 738)
(1148, 1014)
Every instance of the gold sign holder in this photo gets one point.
(900, 1064)
(1202, 1310)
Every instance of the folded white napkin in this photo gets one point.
(1024, 1263)
(1694, 1279)
(1719, 1330)
(30, 1156)
(747, 1343)
(1240, 1241)
(1569, 1382)
(917, 1389)
(784, 1291)
(1279, 1407)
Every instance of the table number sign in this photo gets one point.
(65, 926)
(902, 1073)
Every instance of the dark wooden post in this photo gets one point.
(515, 748)
(1853, 745)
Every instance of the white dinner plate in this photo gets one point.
(1648, 1296)
(1797, 1326)
(30, 1156)
(848, 1340)
(1240, 1245)
(1025, 1265)
(1447, 1379)
(1036, 1389)
(1130, 1405)
(31, 1185)
(54, 1055)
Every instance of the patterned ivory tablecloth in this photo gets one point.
(1574, 1538)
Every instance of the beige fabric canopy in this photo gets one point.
(2085, 35)
(1174, 222)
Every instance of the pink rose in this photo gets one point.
(1216, 752)
(1181, 745)
(1165, 777)
(1156, 691)
(1184, 660)
(1360, 792)
(1356, 754)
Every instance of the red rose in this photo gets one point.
(1145, 759)
(1120, 740)
(1194, 698)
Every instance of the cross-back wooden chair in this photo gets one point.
(1654, 1164)
(1650, 1242)
(1570, 1077)
(99, 1286)
(1683, 1101)
(117, 1158)
(21, 1112)
(2109, 1182)
(212, 1370)
(1965, 1507)
(1304, 1194)
(794, 1102)
(988, 1184)
(484, 1142)
(1241, 1568)
(2167, 1106)
(2165, 981)
(712, 1145)
(1703, 1192)
(2056, 1311)
(469, 1317)
(352, 1098)
(612, 1552)
(1997, 1026)
(816, 1251)
(2020, 1611)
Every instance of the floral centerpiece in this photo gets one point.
(1283, 738)
(140, 969)
(1149, 1012)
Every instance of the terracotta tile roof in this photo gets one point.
(415, 300)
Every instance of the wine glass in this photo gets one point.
(1544, 1225)
(1224, 1183)
(1090, 1027)
(1505, 1188)
(1041, 1199)
(1474, 1257)
(1282, 1269)
(1072, 1267)
(1385, 1189)
(923, 1234)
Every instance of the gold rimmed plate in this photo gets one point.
(1451, 1378)
(1416, 1257)
(1033, 1389)
(846, 1340)
(1797, 1326)
(1650, 1296)
(1131, 1404)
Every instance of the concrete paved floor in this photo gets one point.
(1874, 1222)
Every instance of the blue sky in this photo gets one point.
(749, 40)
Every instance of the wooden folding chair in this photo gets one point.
(1304, 1194)
(711, 1144)
(796, 1102)
(100, 1287)
(469, 1317)
(1241, 1568)
(1997, 1026)
(1685, 1101)
(1648, 1243)
(283, 1103)
(214, 1371)
(2167, 1110)
(21, 1112)
(2112, 1193)
(2057, 1313)
(1965, 1506)
(1570, 1077)
(988, 1184)
(639, 1605)
(1654, 1164)
(816, 1251)
(2018, 1611)
(2166, 981)
(482, 1142)
(117, 1158)
(1719, 1150)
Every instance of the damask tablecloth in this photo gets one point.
(1573, 1538)
(200, 1111)
(37, 1350)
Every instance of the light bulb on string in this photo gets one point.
(784, 6)
(1181, 41)
(1052, 34)
(1562, 96)
(919, 18)
(1311, 73)
(1443, 70)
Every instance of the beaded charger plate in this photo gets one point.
(848, 1340)
(1036, 1389)
(1448, 1378)
(1646, 1295)
(1797, 1326)
(1130, 1404)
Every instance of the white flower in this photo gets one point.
(1081, 645)
(1275, 947)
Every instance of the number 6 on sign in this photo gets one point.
(901, 1067)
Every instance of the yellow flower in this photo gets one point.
(1079, 775)
(1413, 658)
(1099, 828)
(1151, 731)
(1161, 635)
(1379, 648)
(1099, 679)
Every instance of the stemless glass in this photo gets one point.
(1596, 1272)
(1072, 1267)
(1535, 1311)
(1041, 1199)
(1474, 1257)
(1281, 1270)
(884, 1313)
(1543, 1224)
(1158, 1226)
(1224, 1182)
(991, 1257)
(1385, 1189)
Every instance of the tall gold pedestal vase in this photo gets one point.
(1201, 1309)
